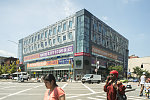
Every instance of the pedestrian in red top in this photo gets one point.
(53, 91)
(112, 86)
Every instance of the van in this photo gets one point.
(20, 76)
(91, 78)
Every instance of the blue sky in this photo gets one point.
(20, 18)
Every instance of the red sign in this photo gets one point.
(81, 54)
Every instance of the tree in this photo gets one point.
(138, 71)
(13, 68)
(5, 69)
(117, 68)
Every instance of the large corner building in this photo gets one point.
(72, 47)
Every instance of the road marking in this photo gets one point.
(94, 98)
(82, 95)
(18, 92)
(101, 96)
(89, 88)
(64, 85)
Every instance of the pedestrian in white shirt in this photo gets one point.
(142, 82)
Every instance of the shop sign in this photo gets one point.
(104, 53)
(82, 54)
(54, 62)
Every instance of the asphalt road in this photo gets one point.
(74, 91)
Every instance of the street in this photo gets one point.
(74, 91)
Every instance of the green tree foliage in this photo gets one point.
(0, 69)
(138, 71)
(8, 69)
(117, 68)
(13, 68)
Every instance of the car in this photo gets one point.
(135, 80)
(130, 80)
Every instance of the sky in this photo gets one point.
(20, 18)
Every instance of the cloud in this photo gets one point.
(6, 53)
(105, 18)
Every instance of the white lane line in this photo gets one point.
(94, 98)
(89, 88)
(64, 85)
(101, 96)
(18, 92)
(82, 95)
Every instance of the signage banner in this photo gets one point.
(104, 53)
(49, 53)
(82, 54)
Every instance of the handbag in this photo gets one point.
(121, 97)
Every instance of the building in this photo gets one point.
(2, 60)
(137, 62)
(7, 60)
(73, 46)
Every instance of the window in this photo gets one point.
(46, 43)
(42, 45)
(59, 39)
(70, 35)
(70, 24)
(38, 45)
(64, 27)
(54, 31)
(45, 34)
(35, 38)
(50, 42)
(99, 28)
(59, 28)
(38, 36)
(32, 39)
(50, 32)
(64, 37)
(53, 41)
(42, 35)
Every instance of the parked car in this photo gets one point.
(130, 80)
(136, 80)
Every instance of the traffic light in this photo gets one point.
(142, 66)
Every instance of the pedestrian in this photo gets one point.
(112, 86)
(142, 82)
(147, 88)
(53, 91)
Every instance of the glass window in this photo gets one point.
(59, 28)
(59, 39)
(53, 41)
(32, 39)
(54, 30)
(35, 38)
(70, 35)
(35, 46)
(38, 36)
(99, 28)
(42, 45)
(42, 35)
(64, 27)
(70, 24)
(38, 45)
(45, 34)
(46, 43)
(64, 37)
(50, 42)
(50, 32)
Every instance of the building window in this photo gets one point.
(54, 31)
(54, 41)
(45, 34)
(64, 27)
(64, 37)
(50, 42)
(42, 45)
(38, 45)
(50, 32)
(70, 24)
(99, 28)
(32, 39)
(70, 35)
(35, 38)
(46, 43)
(59, 39)
(42, 35)
(38, 36)
(59, 29)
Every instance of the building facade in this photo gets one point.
(137, 62)
(73, 47)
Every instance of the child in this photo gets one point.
(147, 88)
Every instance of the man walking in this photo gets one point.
(142, 82)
